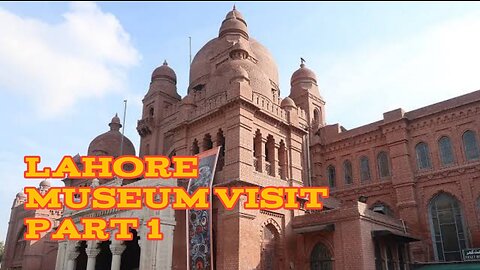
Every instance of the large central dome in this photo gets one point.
(208, 71)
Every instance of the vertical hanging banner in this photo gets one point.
(199, 222)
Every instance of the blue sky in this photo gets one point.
(65, 68)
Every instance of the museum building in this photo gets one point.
(405, 190)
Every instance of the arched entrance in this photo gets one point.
(81, 261)
(321, 258)
(104, 258)
(131, 254)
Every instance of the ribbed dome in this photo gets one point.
(288, 102)
(303, 74)
(164, 72)
(210, 58)
(109, 143)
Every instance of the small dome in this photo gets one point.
(303, 74)
(164, 72)
(109, 143)
(234, 13)
(188, 100)
(45, 183)
(234, 24)
(287, 102)
(21, 195)
(239, 72)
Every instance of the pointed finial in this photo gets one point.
(234, 7)
(302, 62)
(115, 123)
(165, 62)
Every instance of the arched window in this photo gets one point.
(347, 171)
(195, 148)
(470, 145)
(446, 223)
(257, 151)
(269, 155)
(320, 258)
(316, 115)
(423, 156)
(446, 152)
(207, 142)
(331, 176)
(364, 169)
(383, 164)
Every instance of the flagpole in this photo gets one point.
(123, 127)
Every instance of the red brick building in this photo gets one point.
(406, 187)
(31, 255)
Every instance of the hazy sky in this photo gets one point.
(65, 68)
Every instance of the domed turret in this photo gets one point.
(303, 74)
(211, 66)
(164, 72)
(109, 143)
(21, 196)
(288, 103)
(45, 184)
(164, 80)
(234, 24)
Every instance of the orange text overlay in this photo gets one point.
(156, 198)
(126, 167)
(92, 229)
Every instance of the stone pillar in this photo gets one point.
(72, 256)
(117, 249)
(144, 245)
(92, 252)
(274, 165)
(62, 250)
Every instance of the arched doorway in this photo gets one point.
(81, 261)
(447, 228)
(131, 254)
(104, 258)
(321, 258)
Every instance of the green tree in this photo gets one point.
(2, 250)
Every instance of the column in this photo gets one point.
(117, 249)
(144, 244)
(72, 256)
(62, 250)
(275, 165)
(92, 252)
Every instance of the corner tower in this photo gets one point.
(233, 100)
(304, 91)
